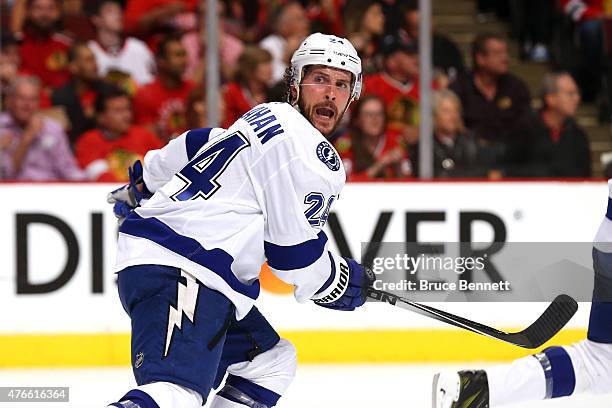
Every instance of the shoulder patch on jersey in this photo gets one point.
(326, 153)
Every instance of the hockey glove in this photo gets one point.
(348, 287)
(129, 196)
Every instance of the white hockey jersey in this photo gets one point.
(227, 200)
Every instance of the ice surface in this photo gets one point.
(327, 386)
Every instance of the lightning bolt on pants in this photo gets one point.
(178, 326)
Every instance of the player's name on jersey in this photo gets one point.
(263, 122)
(438, 286)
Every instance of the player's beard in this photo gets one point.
(309, 111)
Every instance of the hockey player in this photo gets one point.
(557, 371)
(214, 205)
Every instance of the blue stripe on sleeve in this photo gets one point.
(564, 379)
(287, 258)
(195, 139)
(609, 212)
(600, 322)
(216, 260)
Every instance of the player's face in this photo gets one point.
(324, 95)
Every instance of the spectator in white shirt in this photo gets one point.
(125, 60)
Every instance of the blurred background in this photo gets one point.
(507, 138)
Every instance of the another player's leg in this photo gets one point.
(556, 372)
(178, 331)
(260, 365)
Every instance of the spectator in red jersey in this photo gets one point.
(368, 149)
(77, 97)
(160, 105)
(493, 99)
(251, 85)
(364, 22)
(290, 27)
(554, 144)
(398, 85)
(44, 51)
(587, 14)
(33, 147)
(107, 151)
(126, 61)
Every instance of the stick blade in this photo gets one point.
(554, 318)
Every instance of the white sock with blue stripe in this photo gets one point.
(160, 395)
(522, 380)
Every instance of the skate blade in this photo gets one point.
(444, 390)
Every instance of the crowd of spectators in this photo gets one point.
(88, 86)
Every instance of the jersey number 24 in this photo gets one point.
(316, 202)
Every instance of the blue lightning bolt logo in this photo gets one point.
(185, 303)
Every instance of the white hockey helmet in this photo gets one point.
(328, 50)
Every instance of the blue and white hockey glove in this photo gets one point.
(346, 289)
(129, 196)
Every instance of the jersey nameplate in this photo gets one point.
(264, 123)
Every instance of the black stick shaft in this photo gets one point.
(558, 313)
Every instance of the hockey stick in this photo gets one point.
(558, 313)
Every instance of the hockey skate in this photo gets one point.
(465, 389)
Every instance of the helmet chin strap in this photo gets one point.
(294, 103)
(346, 107)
